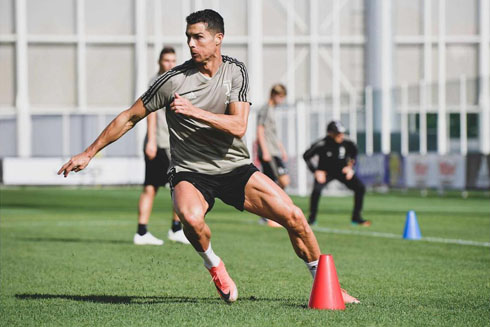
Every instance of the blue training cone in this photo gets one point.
(412, 230)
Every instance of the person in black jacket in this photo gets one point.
(336, 159)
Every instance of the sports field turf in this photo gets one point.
(67, 258)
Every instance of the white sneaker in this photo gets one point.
(146, 239)
(178, 236)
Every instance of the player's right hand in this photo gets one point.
(151, 150)
(321, 176)
(76, 163)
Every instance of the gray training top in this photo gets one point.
(195, 146)
(267, 119)
(162, 127)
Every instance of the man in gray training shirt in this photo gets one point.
(207, 110)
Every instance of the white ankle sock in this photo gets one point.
(210, 258)
(312, 267)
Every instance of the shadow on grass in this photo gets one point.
(121, 299)
(71, 240)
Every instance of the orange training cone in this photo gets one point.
(326, 293)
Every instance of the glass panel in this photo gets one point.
(110, 75)
(7, 67)
(173, 18)
(150, 17)
(275, 68)
(109, 17)
(408, 64)
(8, 131)
(352, 65)
(460, 60)
(274, 18)
(302, 72)
(352, 18)
(83, 131)
(40, 19)
(325, 72)
(7, 17)
(234, 14)
(302, 12)
(462, 17)
(47, 136)
(409, 17)
(52, 78)
(124, 147)
(325, 17)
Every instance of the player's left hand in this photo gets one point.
(76, 163)
(183, 106)
(349, 172)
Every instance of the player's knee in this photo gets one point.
(192, 218)
(149, 190)
(296, 220)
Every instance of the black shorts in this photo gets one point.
(157, 168)
(229, 187)
(274, 168)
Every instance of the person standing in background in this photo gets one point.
(272, 154)
(157, 161)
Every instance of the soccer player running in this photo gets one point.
(207, 108)
(157, 160)
(336, 159)
(272, 154)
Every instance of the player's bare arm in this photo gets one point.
(151, 145)
(266, 156)
(117, 128)
(283, 152)
(234, 123)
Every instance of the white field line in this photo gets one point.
(396, 236)
(114, 222)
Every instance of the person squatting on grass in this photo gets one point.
(206, 105)
(336, 159)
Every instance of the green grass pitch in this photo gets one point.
(67, 259)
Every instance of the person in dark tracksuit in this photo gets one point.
(336, 159)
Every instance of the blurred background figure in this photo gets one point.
(272, 154)
(157, 160)
(336, 159)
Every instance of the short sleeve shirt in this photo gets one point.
(195, 146)
(267, 119)
(162, 127)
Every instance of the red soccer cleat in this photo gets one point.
(224, 284)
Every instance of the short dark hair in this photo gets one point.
(211, 18)
(166, 50)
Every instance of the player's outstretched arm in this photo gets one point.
(234, 123)
(117, 128)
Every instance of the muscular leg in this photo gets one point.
(145, 204)
(191, 207)
(265, 198)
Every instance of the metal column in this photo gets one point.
(22, 96)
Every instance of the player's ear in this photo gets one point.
(218, 38)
